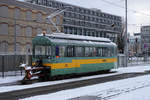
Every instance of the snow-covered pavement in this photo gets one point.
(126, 89)
(10, 79)
(105, 91)
(109, 90)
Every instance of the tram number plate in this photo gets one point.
(66, 65)
(104, 60)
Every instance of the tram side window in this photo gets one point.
(88, 51)
(105, 52)
(70, 51)
(100, 52)
(57, 51)
(42, 50)
(48, 50)
(79, 51)
(94, 52)
(39, 50)
(110, 53)
(60, 51)
(113, 51)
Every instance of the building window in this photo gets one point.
(4, 47)
(65, 30)
(39, 17)
(48, 31)
(39, 31)
(4, 11)
(3, 28)
(18, 48)
(28, 31)
(17, 13)
(28, 48)
(18, 30)
(29, 15)
(40, 2)
(57, 20)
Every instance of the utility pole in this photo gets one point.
(15, 45)
(126, 34)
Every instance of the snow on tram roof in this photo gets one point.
(78, 37)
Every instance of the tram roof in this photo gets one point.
(76, 37)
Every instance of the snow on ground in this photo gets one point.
(140, 94)
(140, 68)
(137, 88)
(10, 79)
(19, 87)
(94, 90)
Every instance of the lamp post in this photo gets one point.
(126, 35)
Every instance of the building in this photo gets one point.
(135, 45)
(145, 36)
(83, 21)
(20, 22)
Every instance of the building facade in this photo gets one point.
(145, 36)
(20, 22)
(135, 45)
(83, 21)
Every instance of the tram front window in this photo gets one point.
(42, 51)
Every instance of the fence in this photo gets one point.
(132, 61)
(9, 64)
(138, 61)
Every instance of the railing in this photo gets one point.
(132, 61)
(9, 64)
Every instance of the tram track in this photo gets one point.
(17, 94)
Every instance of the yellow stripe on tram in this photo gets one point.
(78, 62)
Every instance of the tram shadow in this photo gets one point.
(79, 75)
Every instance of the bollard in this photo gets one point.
(3, 74)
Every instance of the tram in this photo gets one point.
(64, 54)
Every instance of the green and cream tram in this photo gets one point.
(63, 54)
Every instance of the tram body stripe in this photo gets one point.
(78, 62)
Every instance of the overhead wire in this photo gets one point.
(129, 9)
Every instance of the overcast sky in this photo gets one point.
(141, 15)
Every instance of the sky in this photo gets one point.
(138, 10)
